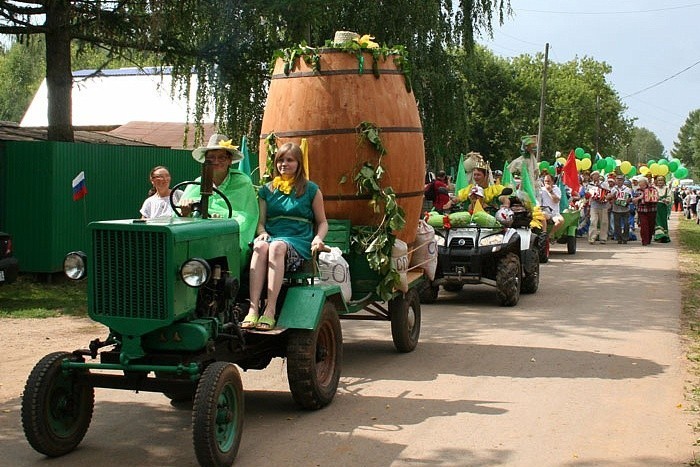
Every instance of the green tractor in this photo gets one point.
(173, 293)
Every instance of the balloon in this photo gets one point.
(682, 172)
(673, 165)
(586, 156)
(585, 164)
(643, 170)
(601, 164)
(579, 153)
(654, 169)
(625, 166)
(663, 162)
(578, 165)
(663, 169)
(552, 171)
(610, 165)
(632, 172)
(544, 165)
(651, 161)
(561, 160)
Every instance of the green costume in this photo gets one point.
(289, 218)
(239, 190)
(663, 209)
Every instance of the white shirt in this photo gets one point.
(156, 206)
(548, 200)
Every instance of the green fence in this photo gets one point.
(36, 200)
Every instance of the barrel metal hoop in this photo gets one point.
(307, 74)
(338, 131)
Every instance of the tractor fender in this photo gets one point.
(303, 305)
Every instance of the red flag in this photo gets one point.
(571, 173)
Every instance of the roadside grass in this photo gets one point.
(30, 298)
(689, 274)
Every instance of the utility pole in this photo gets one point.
(597, 124)
(542, 99)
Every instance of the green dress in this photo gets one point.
(239, 190)
(289, 218)
(663, 209)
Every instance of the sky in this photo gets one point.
(652, 46)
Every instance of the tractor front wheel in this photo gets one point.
(56, 409)
(314, 359)
(405, 320)
(217, 415)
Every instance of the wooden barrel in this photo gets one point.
(326, 107)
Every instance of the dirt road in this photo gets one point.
(588, 371)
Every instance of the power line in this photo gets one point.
(662, 81)
(654, 10)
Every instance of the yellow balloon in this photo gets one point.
(663, 169)
(625, 166)
(578, 164)
(654, 169)
(585, 164)
(643, 170)
(561, 160)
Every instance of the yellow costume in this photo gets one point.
(491, 194)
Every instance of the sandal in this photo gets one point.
(250, 321)
(265, 324)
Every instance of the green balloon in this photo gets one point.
(552, 171)
(601, 164)
(610, 165)
(544, 165)
(662, 162)
(682, 172)
(632, 172)
(579, 153)
(673, 166)
(651, 161)
(586, 156)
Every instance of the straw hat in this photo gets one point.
(217, 141)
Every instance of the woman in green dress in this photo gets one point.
(663, 210)
(292, 223)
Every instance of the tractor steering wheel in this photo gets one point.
(196, 206)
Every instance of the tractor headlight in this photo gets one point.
(195, 272)
(75, 265)
(496, 239)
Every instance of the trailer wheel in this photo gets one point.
(571, 244)
(531, 272)
(405, 320)
(56, 409)
(508, 280)
(314, 359)
(217, 415)
(429, 293)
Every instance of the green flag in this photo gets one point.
(461, 181)
(507, 178)
(564, 200)
(527, 186)
(244, 164)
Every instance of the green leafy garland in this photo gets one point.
(377, 242)
(356, 47)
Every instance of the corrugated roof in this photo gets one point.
(10, 131)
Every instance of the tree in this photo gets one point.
(687, 147)
(229, 44)
(21, 71)
(644, 145)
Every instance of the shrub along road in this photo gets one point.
(588, 371)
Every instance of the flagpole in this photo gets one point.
(85, 211)
(542, 99)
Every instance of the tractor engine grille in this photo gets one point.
(129, 277)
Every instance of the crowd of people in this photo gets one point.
(284, 222)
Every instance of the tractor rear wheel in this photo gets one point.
(56, 409)
(571, 244)
(217, 415)
(314, 359)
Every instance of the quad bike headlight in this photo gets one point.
(75, 265)
(491, 240)
(195, 272)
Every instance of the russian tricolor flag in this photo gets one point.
(79, 187)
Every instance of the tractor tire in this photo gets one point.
(56, 410)
(429, 293)
(217, 415)
(571, 244)
(543, 248)
(456, 288)
(508, 280)
(314, 360)
(405, 320)
(531, 272)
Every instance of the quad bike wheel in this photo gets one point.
(531, 272)
(314, 359)
(56, 408)
(217, 415)
(508, 280)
